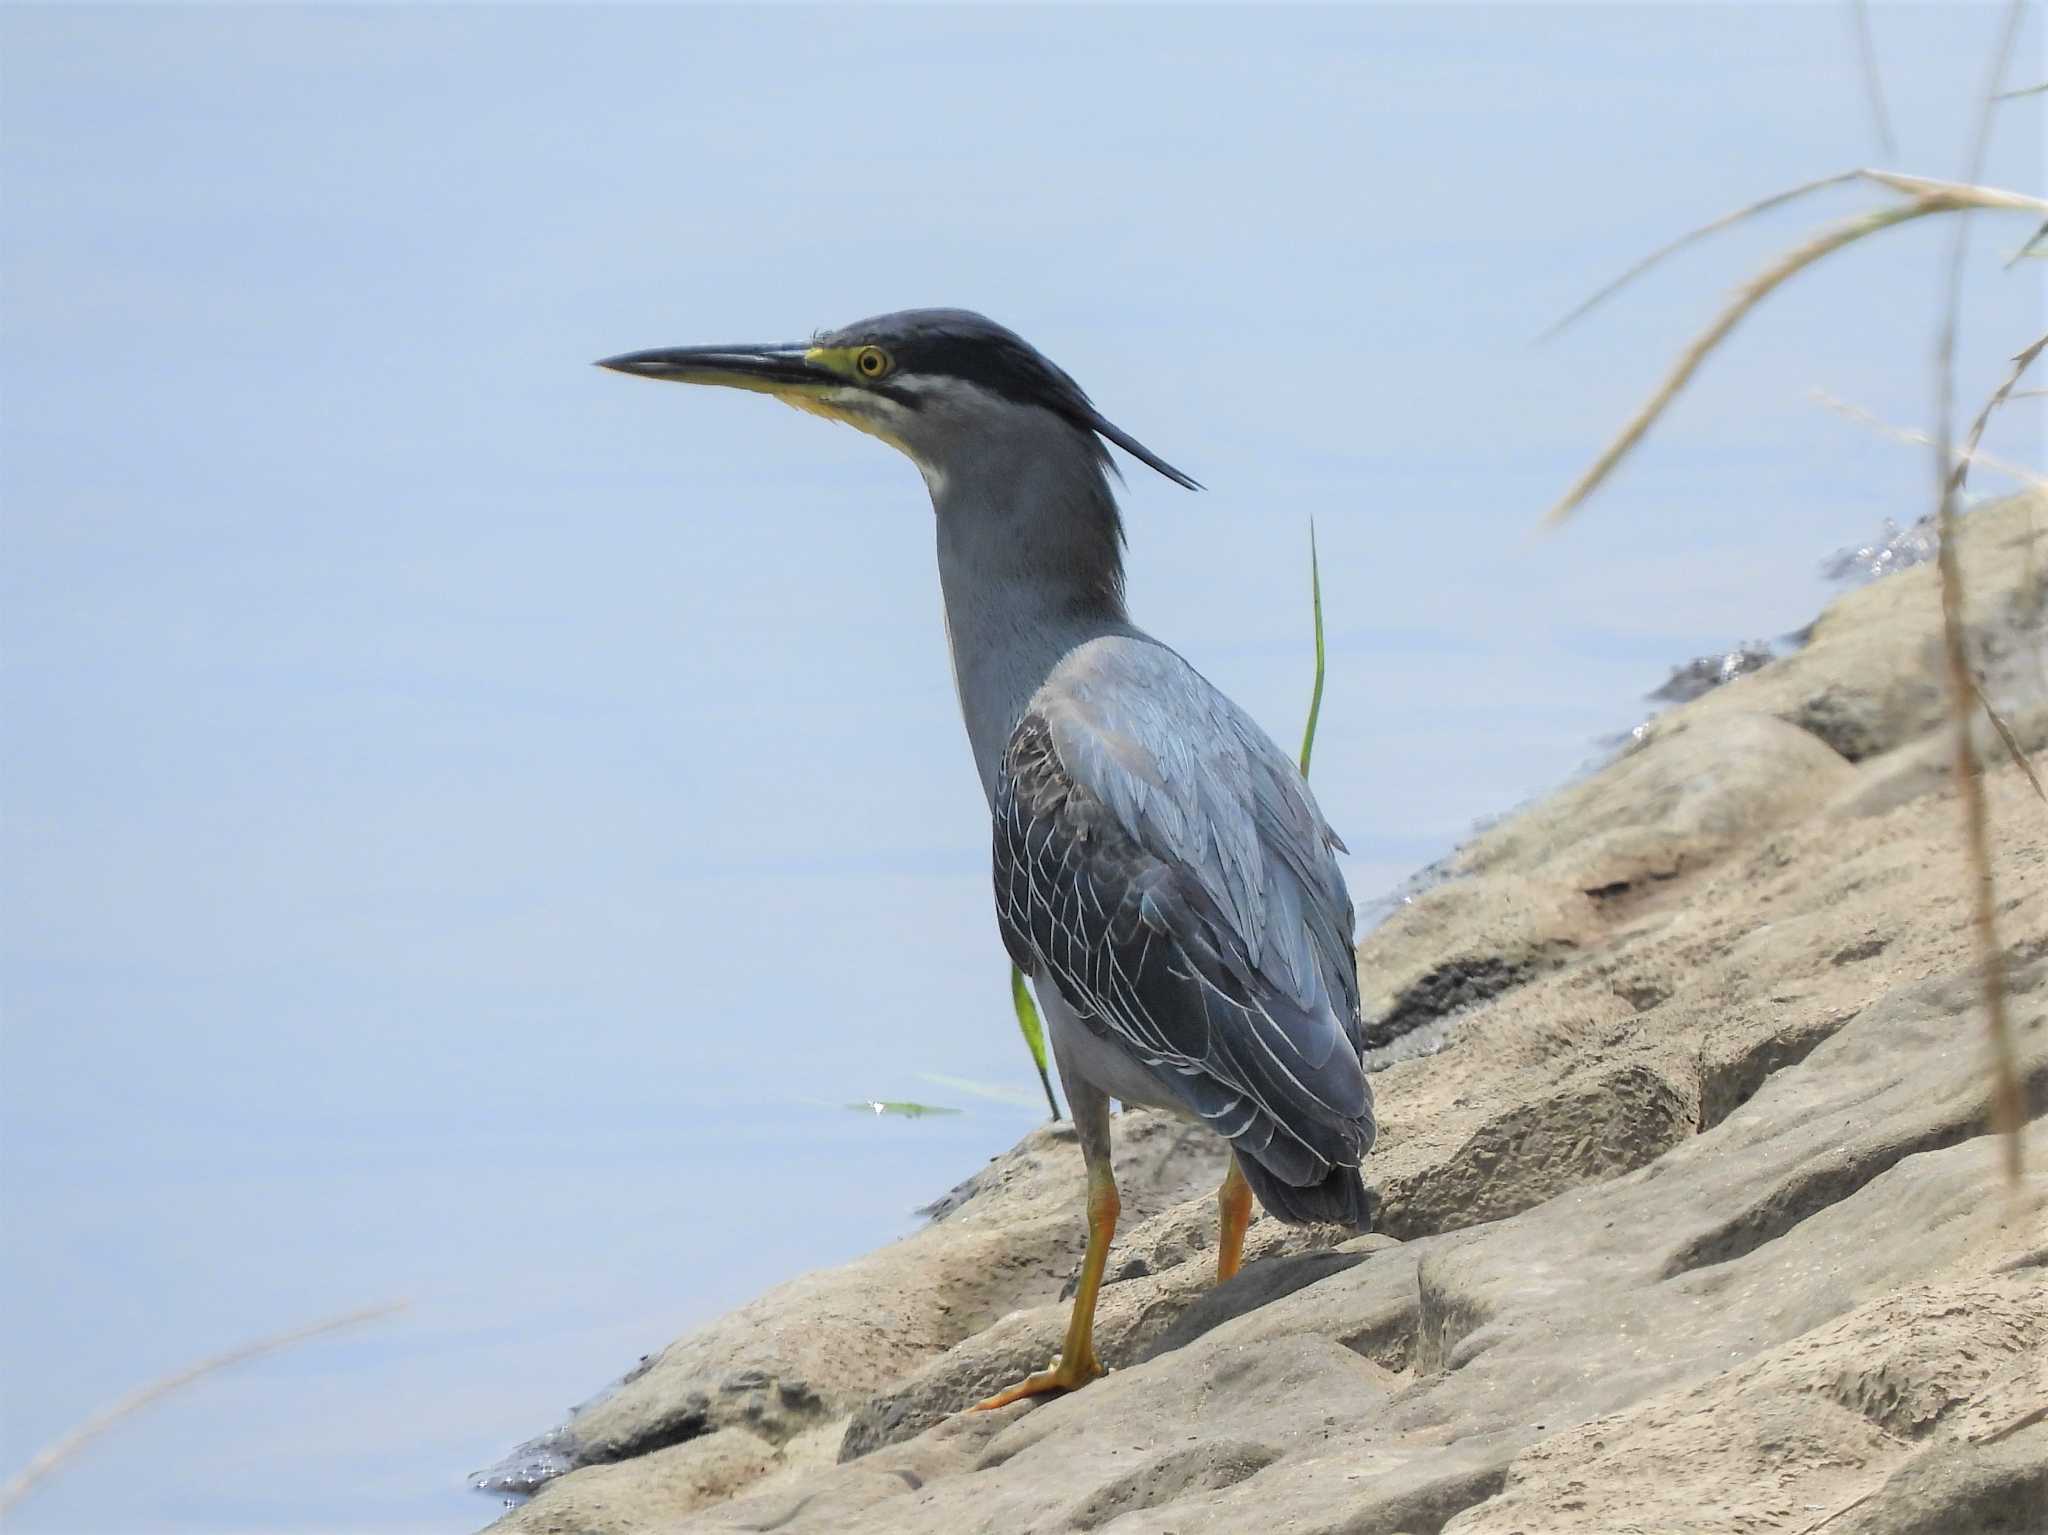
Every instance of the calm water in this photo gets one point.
(472, 823)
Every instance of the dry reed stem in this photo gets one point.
(63, 1449)
(1974, 195)
(2020, 363)
(1941, 198)
(1894, 181)
(1963, 459)
(2008, 1118)
(2036, 595)
(2025, 1420)
(2012, 744)
(1924, 196)
(1673, 247)
(1873, 82)
(1913, 437)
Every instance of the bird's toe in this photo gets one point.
(1058, 1376)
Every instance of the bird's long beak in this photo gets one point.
(777, 370)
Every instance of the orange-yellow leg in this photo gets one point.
(1234, 1205)
(1077, 1364)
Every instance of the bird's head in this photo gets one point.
(932, 383)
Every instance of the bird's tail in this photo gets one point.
(1340, 1199)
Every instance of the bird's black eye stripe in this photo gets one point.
(1001, 370)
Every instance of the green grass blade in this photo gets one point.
(1034, 1033)
(1315, 698)
(900, 1108)
(995, 1092)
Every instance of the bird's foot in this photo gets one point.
(1058, 1377)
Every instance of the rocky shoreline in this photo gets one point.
(1689, 1216)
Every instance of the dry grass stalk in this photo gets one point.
(1963, 459)
(1776, 200)
(1972, 195)
(1913, 437)
(2008, 1118)
(63, 1449)
(2020, 363)
(1873, 82)
(2012, 744)
(1924, 197)
(2025, 1420)
(1892, 181)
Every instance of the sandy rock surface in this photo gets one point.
(1690, 1220)
(808, 1352)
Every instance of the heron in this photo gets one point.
(1162, 871)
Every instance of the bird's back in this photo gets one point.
(1165, 863)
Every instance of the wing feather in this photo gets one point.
(1158, 855)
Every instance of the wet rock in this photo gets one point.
(1703, 674)
(1871, 678)
(665, 1483)
(1893, 550)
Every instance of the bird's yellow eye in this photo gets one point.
(873, 362)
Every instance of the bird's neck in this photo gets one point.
(1030, 566)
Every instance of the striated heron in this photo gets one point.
(1162, 872)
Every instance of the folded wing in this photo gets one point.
(1164, 862)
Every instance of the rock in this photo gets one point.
(1803, 1429)
(647, 1491)
(1700, 1225)
(1600, 1122)
(1829, 1252)
(1131, 1318)
(1921, 767)
(1054, 1464)
(1205, 1465)
(1258, 1285)
(811, 1350)
(1700, 786)
(1870, 677)
(1544, 886)
(1703, 674)
(1963, 1487)
(1464, 943)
